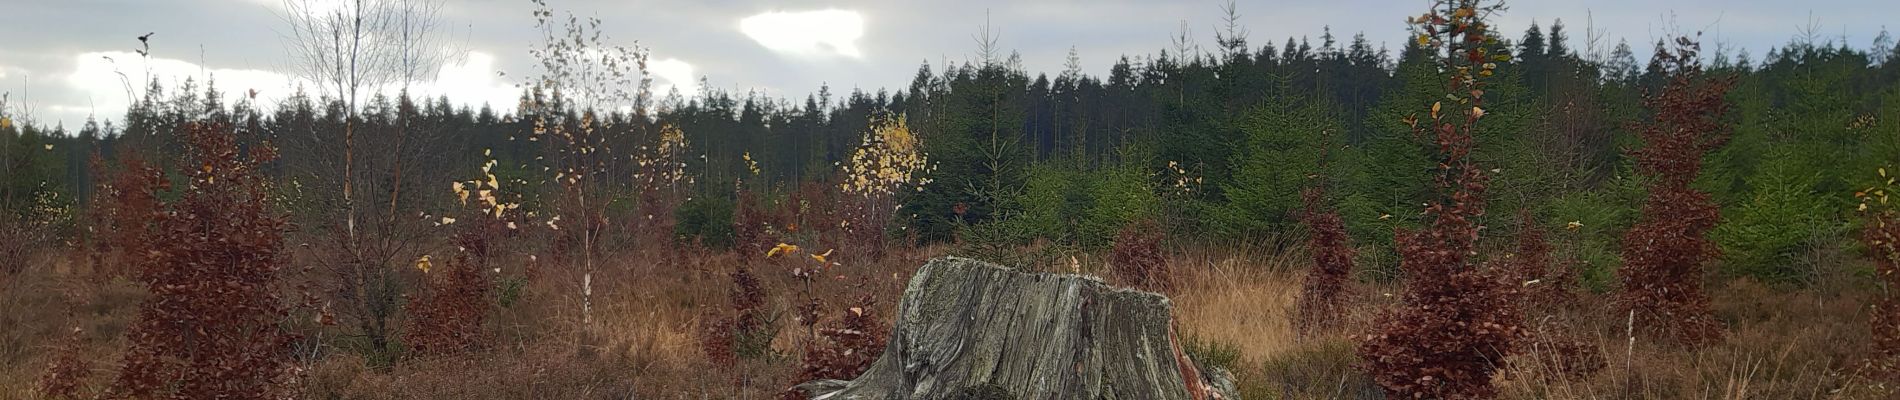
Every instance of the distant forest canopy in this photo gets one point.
(1215, 143)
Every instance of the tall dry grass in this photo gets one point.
(1782, 344)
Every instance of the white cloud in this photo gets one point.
(817, 33)
(109, 80)
(672, 73)
(472, 81)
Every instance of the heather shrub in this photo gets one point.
(67, 372)
(746, 332)
(1138, 257)
(1323, 293)
(211, 328)
(447, 315)
(1664, 252)
(1458, 320)
(848, 347)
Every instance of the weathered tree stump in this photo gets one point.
(966, 327)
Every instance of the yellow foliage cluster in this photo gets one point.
(889, 161)
(1875, 197)
(1180, 181)
(665, 162)
(484, 191)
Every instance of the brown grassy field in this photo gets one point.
(1234, 304)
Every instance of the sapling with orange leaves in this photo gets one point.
(1457, 321)
(1880, 232)
(212, 327)
(1663, 254)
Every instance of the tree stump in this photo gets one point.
(971, 329)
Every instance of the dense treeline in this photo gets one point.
(1218, 143)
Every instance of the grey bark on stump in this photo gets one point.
(966, 327)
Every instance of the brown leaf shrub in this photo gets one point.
(848, 347)
(128, 200)
(211, 328)
(1458, 320)
(67, 372)
(1881, 235)
(1138, 259)
(1324, 290)
(1664, 252)
(745, 334)
(1554, 344)
(449, 315)
(754, 227)
(1532, 267)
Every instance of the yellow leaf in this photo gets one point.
(424, 264)
(1573, 225)
(821, 257)
(781, 248)
(1435, 106)
(1477, 112)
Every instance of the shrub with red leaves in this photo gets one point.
(753, 226)
(1554, 343)
(1532, 267)
(124, 217)
(211, 328)
(848, 347)
(1458, 321)
(1138, 259)
(1664, 252)
(67, 371)
(745, 334)
(448, 316)
(1324, 290)
(1881, 234)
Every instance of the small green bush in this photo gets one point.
(706, 221)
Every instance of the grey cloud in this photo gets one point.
(244, 34)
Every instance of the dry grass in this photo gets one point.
(1782, 344)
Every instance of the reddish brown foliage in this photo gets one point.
(753, 227)
(211, 326)
(1664, 252)
(1532, 267)
(1458, 321)
(1325, 287)
(746, 333)
(1554, 344)
(129, 200)
(449, 314)
(1138, 258)
(1882, 237)
(848, 347)
(67, 371)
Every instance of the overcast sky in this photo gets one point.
(61, 59)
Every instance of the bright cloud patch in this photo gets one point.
(672, 73)
(807, 33)
(108, 80)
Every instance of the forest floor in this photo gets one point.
(1234, 306)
